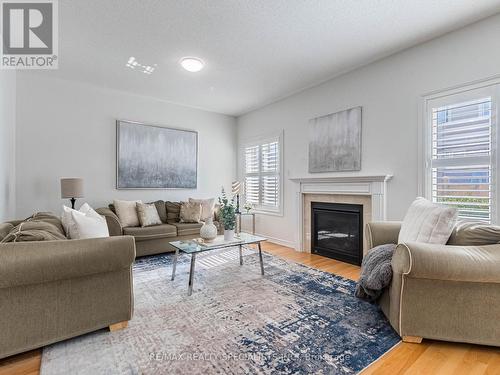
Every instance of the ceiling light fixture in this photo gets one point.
(132, 63)
(192, 64)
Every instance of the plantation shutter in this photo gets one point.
(270, 174)
(461, 157)
(262, 174)
(252, 166)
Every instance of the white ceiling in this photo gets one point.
(256, 51)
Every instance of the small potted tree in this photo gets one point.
(227, 215)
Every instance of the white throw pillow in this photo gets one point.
(67, 219)
(88, 225)
(84, 223)
(127, 213)
(207, 207)
(427, 222)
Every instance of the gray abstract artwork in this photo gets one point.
(153, 157)
(335, 142)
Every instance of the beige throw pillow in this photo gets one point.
(162, 210)
(207, 207)
(148, 214)
(427, 222)
(127, 212)
(190, 212)
(467, 233)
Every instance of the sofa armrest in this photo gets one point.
(114, 226)
(27, 263)
(382, 232)
(445, 262)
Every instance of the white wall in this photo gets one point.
(67, 129)
(389, 92)
(7, 143)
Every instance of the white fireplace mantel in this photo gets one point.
(370, 185)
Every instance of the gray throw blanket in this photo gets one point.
(376, 272)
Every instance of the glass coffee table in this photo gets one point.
(197, 245)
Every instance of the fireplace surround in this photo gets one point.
(366, 190)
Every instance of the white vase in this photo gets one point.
(208, 231)
(228, 234)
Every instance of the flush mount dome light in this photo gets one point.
(192, 64)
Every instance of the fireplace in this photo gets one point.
(337, 231)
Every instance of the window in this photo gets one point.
(461, 152)
(262, 169)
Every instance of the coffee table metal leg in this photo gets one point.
(175, 263)
(191, 274)
(241, 256)
(261, 261)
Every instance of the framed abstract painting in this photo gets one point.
(335, 142)
(155, 157)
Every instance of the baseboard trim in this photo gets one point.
(278, 241)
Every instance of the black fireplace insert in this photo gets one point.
(337, 231)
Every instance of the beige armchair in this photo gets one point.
(441, 292)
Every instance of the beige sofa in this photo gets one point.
(155, 239)
(54, 290)
(441, 292)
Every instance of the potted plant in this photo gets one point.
(227, 215)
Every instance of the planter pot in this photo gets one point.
(228, 234)
(208, 231)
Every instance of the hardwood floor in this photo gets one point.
(429, 357)
(23, 364)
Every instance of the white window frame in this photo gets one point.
(259, 140)
(489, 87)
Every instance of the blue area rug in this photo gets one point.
(292, 320)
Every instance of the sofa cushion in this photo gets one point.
(148, 214)
(161, 209)
(427, 222)
(127, 212)
(474, 234)
(190, 212)
(173, 212)
(207, 207)
(150, 233)
(188, 229)
(5, 228)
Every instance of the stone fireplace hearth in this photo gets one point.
(367, 191)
